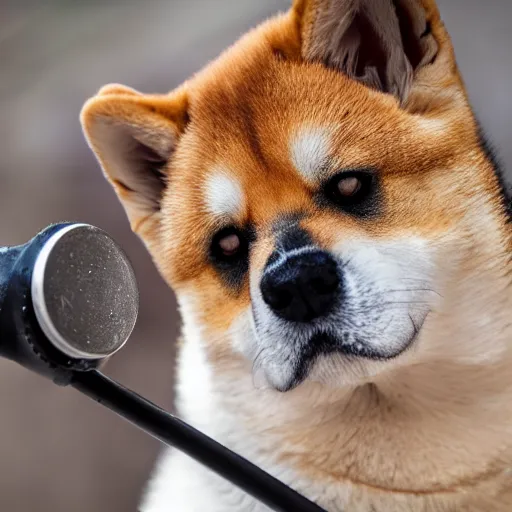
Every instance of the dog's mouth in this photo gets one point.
(298, 364)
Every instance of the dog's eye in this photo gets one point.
(229, 253)
(349, 188)
(229, 244)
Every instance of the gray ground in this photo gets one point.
(58, 451)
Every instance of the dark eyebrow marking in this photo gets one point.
(251, 132)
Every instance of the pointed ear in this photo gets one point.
(385, 44)
(133, 137)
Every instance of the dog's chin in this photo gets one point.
(327, 360)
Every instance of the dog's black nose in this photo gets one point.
(301, 287)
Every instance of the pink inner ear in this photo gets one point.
(377, 42)
(150, 155)
(418, 42)
(147, 176)
(135, 159)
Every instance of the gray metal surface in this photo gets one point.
(85, 293)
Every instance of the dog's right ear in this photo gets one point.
(133, 137)
(399, 47)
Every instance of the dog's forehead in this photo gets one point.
(290, 117)
(305, 156)
(279, 97)
(265, 137)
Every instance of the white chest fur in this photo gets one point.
(180, 484)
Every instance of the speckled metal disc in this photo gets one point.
(84, 293)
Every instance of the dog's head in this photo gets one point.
(308, 194)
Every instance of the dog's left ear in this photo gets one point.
(389, 45)
(134, 136)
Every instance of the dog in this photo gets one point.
(325, 206)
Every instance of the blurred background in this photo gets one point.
(59, 452)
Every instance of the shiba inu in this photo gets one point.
(323, 203)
